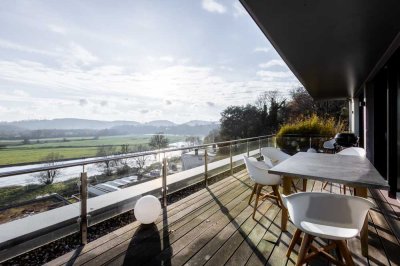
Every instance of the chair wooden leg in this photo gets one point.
(338, 253)
(304, 249)
(278, 195)
(344, 250)
(258, 191)
(252, 193)
(294, 187)
(344, 189)
(304, 185)
(293, 242)
(326, 183)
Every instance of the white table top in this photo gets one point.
(349, 170)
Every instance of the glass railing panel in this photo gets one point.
(294, 144)
(114, 185)
(32, 201)
(254, 147)
(219, 159)
(186, 167)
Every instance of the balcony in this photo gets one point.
(211, 226)
(214, 227)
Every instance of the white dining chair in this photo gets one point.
(354, 151)
(334, 217)
(329, 145)
(258, 173)
(272, 156)
(276, 156)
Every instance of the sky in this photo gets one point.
(132, 60)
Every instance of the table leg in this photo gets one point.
(363, 192)
(286, 190)
(304, 185)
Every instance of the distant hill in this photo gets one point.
(72, 127)
(160, 123)
(199, 123)
(67, 123)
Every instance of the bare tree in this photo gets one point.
(47, 177)
(122, 164)
(140, 161)
(108, 164)
(265, 99)
(158, 141)
(193, 140)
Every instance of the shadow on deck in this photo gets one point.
(214, 227)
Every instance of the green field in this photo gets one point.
(17, 153)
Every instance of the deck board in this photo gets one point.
(214, 227)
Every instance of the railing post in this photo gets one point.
(248, 152)
(83, 220)
(164, 181)
(205, 167)
(230, 156)
(259, 146)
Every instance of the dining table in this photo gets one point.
(353, 171)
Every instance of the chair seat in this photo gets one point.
(327, 231)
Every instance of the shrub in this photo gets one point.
(296, 135)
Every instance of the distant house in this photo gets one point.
(194, 159)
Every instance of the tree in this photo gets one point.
(213, 136)
(193, 140)
(124, 148)
(122, 164)
(240, 122)
(140, 161)
(47, 177)
(158, 141)
(303, 105)
(108, 164)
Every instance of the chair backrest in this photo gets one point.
(354, 151)
(327, 209)
(258, 172)
(275, 155)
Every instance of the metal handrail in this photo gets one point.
(84, 162)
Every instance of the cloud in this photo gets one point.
(238, 9)
(168, 59)
(57, 29)
(226, 68)
(74, 54)
(168, 102)
(262, 49)
(144, 111)
(213, 6)
(77, 55)
(270, 75)
(83, 102)
(273, 62)
(185, 86)
(20, 93)
(103, 103)
(22, 48)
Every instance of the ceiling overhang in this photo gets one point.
(331, 46)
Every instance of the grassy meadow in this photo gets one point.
(14, 152)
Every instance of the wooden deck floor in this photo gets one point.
(214, 227)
